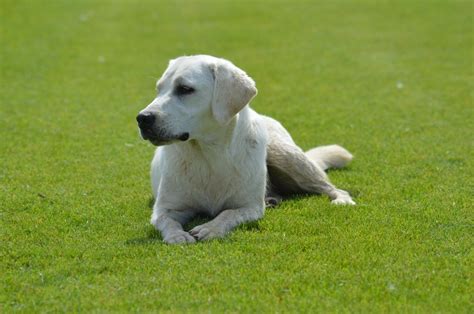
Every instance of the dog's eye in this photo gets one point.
(184, 90)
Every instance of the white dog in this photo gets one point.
(218, 157)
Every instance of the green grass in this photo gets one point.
(390, 80)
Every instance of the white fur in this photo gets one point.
(221, 170)
(331, 156)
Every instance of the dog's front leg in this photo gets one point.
(170, 224)
(226, 221)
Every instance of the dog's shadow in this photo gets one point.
(153, 237)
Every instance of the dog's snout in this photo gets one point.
(146, 120)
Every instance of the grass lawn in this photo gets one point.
(391, 81)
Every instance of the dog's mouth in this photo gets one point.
(162, 138)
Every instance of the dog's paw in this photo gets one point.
(179, 237)
(343, 198)
(271, 201)
(343, 201)
(207, 231)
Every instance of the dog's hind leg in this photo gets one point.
(292, 171)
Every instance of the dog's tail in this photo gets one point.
(331, 156)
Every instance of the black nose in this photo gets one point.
(145, 120)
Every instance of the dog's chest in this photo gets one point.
(210, 186)
(212, 179)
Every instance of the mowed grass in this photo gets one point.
(390, 80)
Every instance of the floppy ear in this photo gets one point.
(233, 90)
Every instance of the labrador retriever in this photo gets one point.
(216, 156)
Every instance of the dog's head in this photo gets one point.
(197, 96)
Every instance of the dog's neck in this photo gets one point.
(222, 138)
(218, 142)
